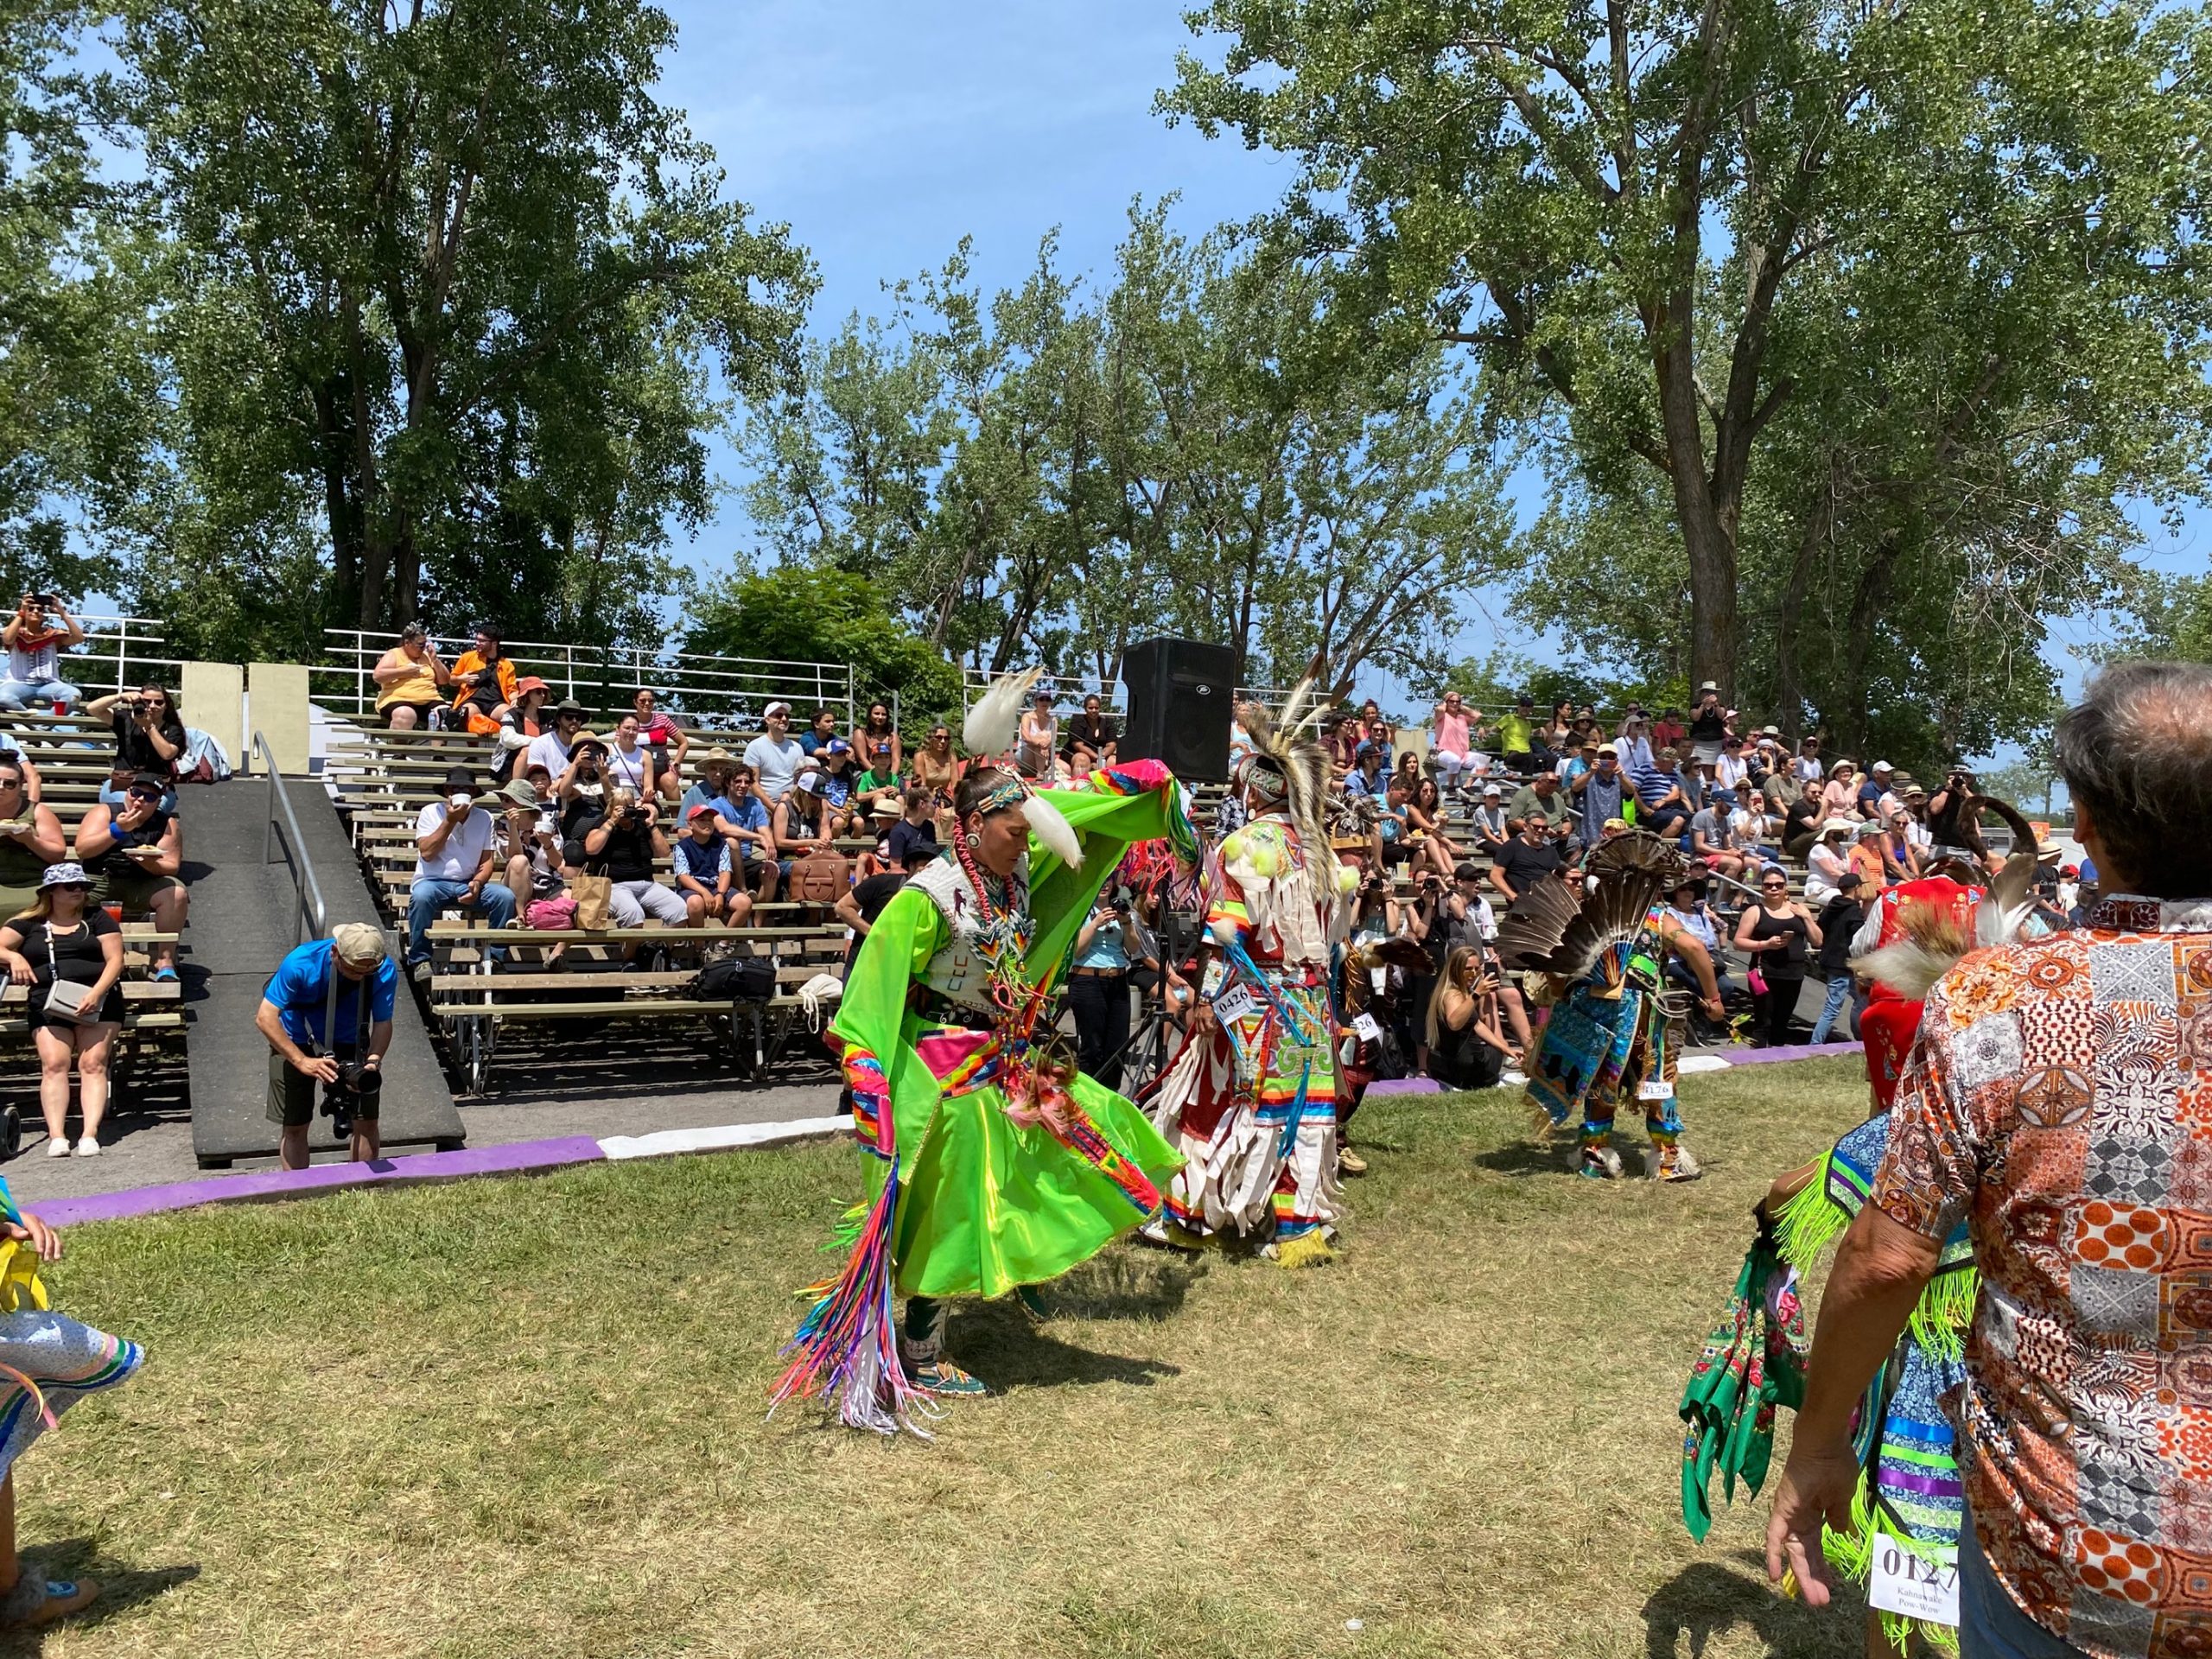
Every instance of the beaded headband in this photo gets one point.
(1011, 792)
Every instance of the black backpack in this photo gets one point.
(736, 979)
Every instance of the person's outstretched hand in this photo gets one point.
(1817, 1485)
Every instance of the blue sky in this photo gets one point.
(882, 133)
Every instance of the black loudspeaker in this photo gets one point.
(1182, 695)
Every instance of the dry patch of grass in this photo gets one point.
(524, 1419)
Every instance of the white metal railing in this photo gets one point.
(1070, 689)
(714, 693)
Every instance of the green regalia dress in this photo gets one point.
(992, 1162)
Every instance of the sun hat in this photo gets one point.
(67, 874)
(568, 706)
(358, 943)
(1836, 827)
(530, 682)
(461, 778)
(1869, 827)
(518, 791)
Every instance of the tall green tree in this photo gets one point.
(64, 410)
(444, 281)
(1649, 225)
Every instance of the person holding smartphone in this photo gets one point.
(1098, 987)
(35, 637)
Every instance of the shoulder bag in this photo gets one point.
(65, 998)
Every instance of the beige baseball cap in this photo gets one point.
(358, 943)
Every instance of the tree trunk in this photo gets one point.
(1789, 683)
(1867, 602)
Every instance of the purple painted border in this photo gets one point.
(1803, 1051)
(517, 1158)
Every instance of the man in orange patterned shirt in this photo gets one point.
(2059, 1098)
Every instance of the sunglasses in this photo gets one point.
(72, 886)
(144, 794)
(1775, 887)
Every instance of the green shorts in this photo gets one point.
(14, 901)
(134, 890)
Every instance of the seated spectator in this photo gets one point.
(876, 745)
(716, 767)
(1392, 844)
(1865, 857)
(135, 854)
(148, 735)
(775, 756)
(1039, 733)
(1366, 776)
(35, 637)
(529, 844)
(658, 731)
(913, 838)
(1827, 860)
(800, 825)
(1340, 737)
(1091, 741)
(1801, 825)
(552, 749)
(820, 730)
(1713, 836)
(833, 765)
(1729, 768)
(454, 866)
(1839, 795)
(1662, 804)
(1542, 799)
(1492, 828)
(1425, 829)
(627, 845)
(485, 682)
(1900, 862)
(581, 789)
(1875, 801)
(521, 726)
(411, 680)
(706, 874)
(877, 795)
(1806, 766)
(744, 820)
(1667, 731)
(1517, 736)
(1532, 855)
(30, 838)
(1634, 744)
(937, 769)
(63, 938)
(629, 762)
(314, 1026)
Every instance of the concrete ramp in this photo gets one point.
(243, 920)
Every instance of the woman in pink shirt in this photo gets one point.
(1839, 795)
(1451, 745)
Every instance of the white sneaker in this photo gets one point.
(87, 1148)
(58, 1146)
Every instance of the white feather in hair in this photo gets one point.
(1053, 831)
(995, 721)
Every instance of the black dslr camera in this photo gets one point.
(343, 1097)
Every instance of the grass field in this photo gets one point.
(525, 1419)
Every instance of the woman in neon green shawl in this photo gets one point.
(995, 1164)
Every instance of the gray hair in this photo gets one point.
(2137, 751)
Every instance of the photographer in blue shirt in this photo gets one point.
(312, 1012)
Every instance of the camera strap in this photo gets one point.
(330, 1006)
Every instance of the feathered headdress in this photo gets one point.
(1933, 938)
(989, 731)
(1288, 764)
